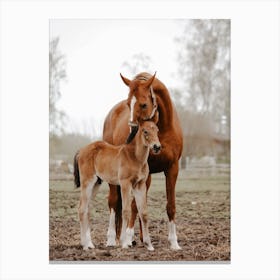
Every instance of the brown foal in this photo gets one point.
(125, 165)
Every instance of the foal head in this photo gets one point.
(141, 99)
(149, 136)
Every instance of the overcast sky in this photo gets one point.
(95, 51)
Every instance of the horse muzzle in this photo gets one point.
(156, 148)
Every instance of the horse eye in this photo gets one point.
(145, 132)
(143, 106)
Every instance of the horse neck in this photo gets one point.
(165, 107)
(139, 151)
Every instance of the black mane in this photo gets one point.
(132, 134)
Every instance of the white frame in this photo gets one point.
(254, 134)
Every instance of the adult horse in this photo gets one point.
(148, 99)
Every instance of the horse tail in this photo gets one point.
(76, 171)
(118, 220)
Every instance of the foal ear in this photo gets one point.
(150, 81)
(125, 80)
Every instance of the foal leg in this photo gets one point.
(134, 211)
(126, 233)
(112, 200)
(141, 202)
(132, 219)
(171, 177)
(86, 192)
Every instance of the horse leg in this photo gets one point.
(113, 201)
(126, 233)
(171, 177)
(141, 202)
(84, 214)
(134, 211)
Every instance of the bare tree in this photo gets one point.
(204, 67)
(57, 74)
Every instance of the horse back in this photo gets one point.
(115, 128)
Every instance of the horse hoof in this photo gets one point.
(86, 248)
(175, 247)
(88, 245)
(133, 243)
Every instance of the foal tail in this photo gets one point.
(118, 221)
(76, 171)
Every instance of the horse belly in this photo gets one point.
(106, 168)
(109, 177)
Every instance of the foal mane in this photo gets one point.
(132, 134)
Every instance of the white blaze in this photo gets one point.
(132, 103)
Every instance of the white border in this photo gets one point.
(255, 138)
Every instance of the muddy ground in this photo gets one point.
(203, 222)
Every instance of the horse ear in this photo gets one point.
(150, 81)
(125, 80)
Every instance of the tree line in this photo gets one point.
(202, 98)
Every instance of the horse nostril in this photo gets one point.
(156, 147)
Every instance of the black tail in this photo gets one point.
(76, 171)
(118, 220)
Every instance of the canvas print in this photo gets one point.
(139, 140)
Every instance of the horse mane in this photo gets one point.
(144, 76)
(132, 134)
(165, 107)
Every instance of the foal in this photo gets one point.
(125, 165)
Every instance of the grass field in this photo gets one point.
(202, 218)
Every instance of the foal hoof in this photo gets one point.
(88, 246)
(125, 246)
(149, 247)
(175, 247)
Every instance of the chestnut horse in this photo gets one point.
(148, 99)
(125, 165)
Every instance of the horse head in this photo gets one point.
(149, 133)
(141, 102)
(141, 99)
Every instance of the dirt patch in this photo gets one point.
(203, 225)
(200, 240)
